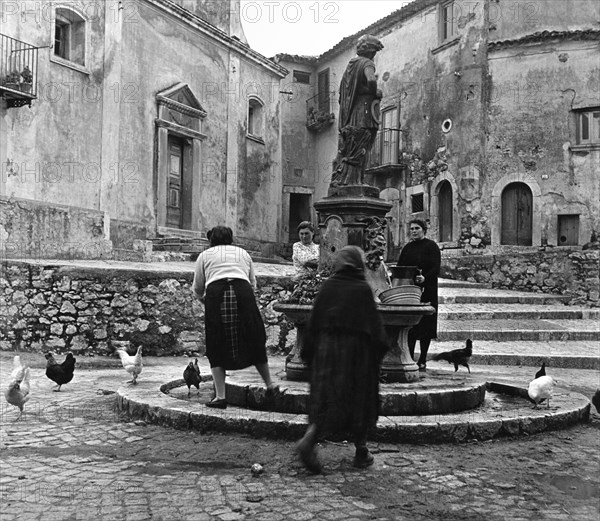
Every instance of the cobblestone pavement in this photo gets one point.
(72, 458)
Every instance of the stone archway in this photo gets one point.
(496, 209)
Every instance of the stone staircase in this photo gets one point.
(513, 327)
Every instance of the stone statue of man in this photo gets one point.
(359, 114)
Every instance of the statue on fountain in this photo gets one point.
(358, 117)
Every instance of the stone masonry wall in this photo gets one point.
(89, 311)
(568, 272)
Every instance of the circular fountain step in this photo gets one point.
(505, 411)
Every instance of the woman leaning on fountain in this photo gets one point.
(235, 334)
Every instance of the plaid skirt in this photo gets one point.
(235, 332)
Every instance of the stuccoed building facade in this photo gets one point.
(125, 120)
(490, 123)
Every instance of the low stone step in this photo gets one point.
(449, 283)
(502, 329)
(491, 296)
(487, 311)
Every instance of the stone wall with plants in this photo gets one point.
(566, 272)
(89, 310)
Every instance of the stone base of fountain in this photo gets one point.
(504, 411)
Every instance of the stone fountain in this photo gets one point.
(353, 214)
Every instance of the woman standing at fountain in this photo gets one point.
(425, 254)
(235, 334)
(344, 344)
(305, 252)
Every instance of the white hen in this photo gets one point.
(541, 389)
(17, 393)
(132, 364)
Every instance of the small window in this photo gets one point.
(588, 126)
(416, 202)
(302, 77)
(448, 21)
(69, 36)
(255, 117)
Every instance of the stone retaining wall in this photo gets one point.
(89, 310)
(566, 272)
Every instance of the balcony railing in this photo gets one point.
(385, 150)
(18, 71)
(320, 111)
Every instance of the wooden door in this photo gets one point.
(568, 230)
(517, 215)
(174, 184)
(445, 212)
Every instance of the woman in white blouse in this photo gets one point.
(235, 334)
(305, 252)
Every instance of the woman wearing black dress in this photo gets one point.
(425, 254)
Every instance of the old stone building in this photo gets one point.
(124, 120)
(490, 123)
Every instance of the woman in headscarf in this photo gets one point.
(344, 344)
(235, 333)
(425, 254)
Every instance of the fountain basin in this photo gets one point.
(397, 365)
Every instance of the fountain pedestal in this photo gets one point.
(397, 366)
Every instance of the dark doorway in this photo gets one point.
(568, 230)
(445, 211)
(517, 215)
(323, 91)
(299, 211)
(179, 184)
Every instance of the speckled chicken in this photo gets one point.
(17, 392)
(191, 375)
(60, 373)
(132, 364)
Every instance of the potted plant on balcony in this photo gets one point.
(13, 80)
(27, 75)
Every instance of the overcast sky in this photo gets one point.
(308, 27)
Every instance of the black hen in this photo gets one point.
(457, 356)
(542, 371)
(596, 400)
(60, 373)
(191, 375)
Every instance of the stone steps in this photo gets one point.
(485, 311)
(512, 329)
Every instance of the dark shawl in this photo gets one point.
(426, 255)
(345, 305)
(344, 345)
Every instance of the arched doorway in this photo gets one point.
(445, 211)
(517, 215)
